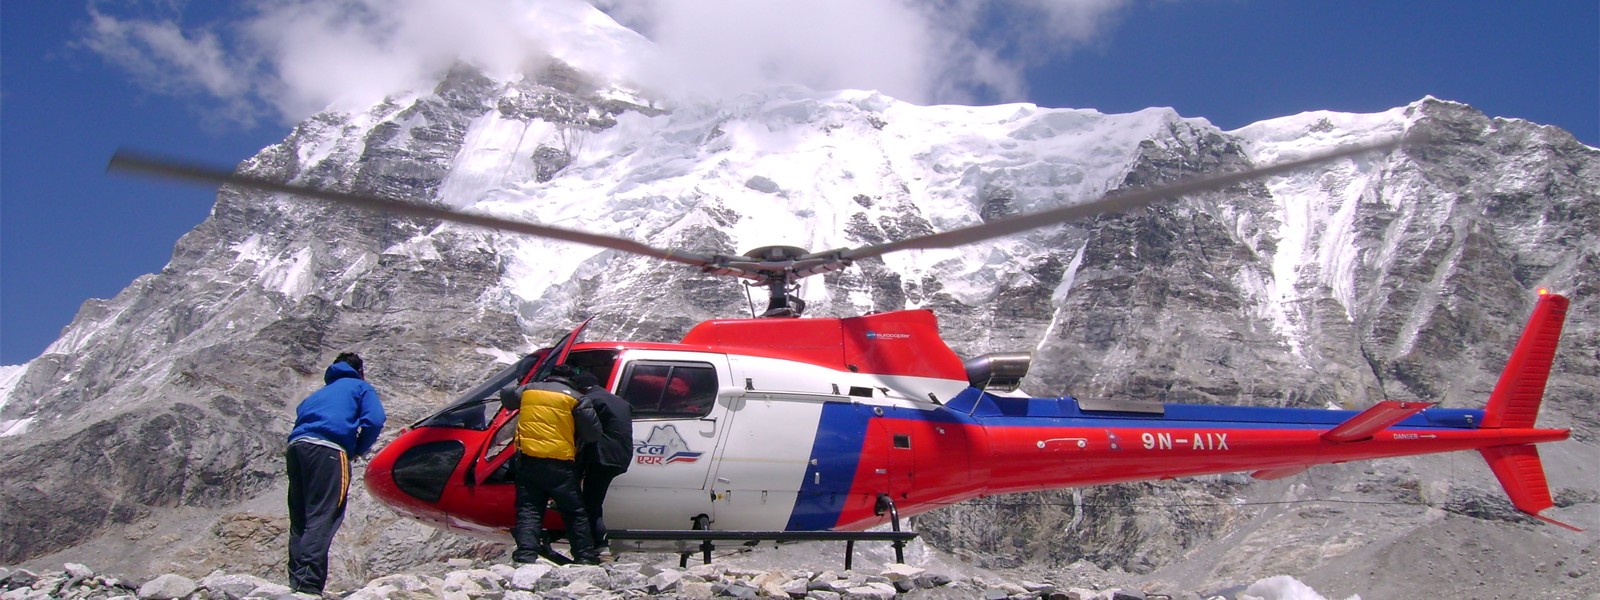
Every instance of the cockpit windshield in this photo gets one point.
(476, 408)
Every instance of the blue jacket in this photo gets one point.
(346, 412)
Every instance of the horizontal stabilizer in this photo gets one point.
(1522, 475)
(1278, 473)
(1515, 399)
(1376, 418)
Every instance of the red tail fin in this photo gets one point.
(1522, 475)
(1515, 404)
(1516, 397)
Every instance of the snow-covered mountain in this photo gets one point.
(159, 415)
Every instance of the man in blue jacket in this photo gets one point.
(333, 424)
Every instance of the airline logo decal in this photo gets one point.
(664, 447)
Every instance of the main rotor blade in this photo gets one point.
(124, 160)
(1114, 203)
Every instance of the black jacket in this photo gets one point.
(614, 449)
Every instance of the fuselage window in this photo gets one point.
(670, 390)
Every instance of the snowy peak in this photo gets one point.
(578, 34)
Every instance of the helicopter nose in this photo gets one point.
(411, 477)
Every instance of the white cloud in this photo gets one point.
(1072, 20)
(728, 46)
(291, 58)
(944, 51)
(351, 53)
(161, 56)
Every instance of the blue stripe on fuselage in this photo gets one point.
(841, 432)
(1065, 412)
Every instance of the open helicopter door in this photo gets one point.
(558, 353)
(492, 458)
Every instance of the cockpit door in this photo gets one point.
(491, 458)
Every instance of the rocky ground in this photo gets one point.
(743, 574)
(804, 570)
(1463, 546)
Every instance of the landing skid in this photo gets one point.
(706, 536)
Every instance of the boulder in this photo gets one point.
(167, 587)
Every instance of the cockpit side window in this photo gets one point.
(670, 389)
(596, 362)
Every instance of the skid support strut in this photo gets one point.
(885, 505)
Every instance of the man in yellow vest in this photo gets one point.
(554, 421)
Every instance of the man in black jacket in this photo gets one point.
(554, 423)
(607, 457)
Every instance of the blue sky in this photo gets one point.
(70, 95)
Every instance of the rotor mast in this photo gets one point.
(776, 266)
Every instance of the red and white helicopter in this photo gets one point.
(789, 428)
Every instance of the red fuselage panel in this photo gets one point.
(905, 343)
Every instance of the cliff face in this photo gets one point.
(1408, 277)
(160, 414)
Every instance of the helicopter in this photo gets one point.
(776, 426)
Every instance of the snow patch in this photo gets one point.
(1059, 296)
(77, 335)
(500, 356)
(250, 249)
(1283, 587)
(293, 277)
(658, 178)
(1316, 208)
(12, 427)
(420, 249)
(9, 376)
(495, 152)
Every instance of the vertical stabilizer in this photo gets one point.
(1516, 397)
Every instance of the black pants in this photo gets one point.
(319, 478)
(596, 480)
(540, 480)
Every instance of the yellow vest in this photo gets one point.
(544, 427)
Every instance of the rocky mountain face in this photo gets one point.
(155, 425)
